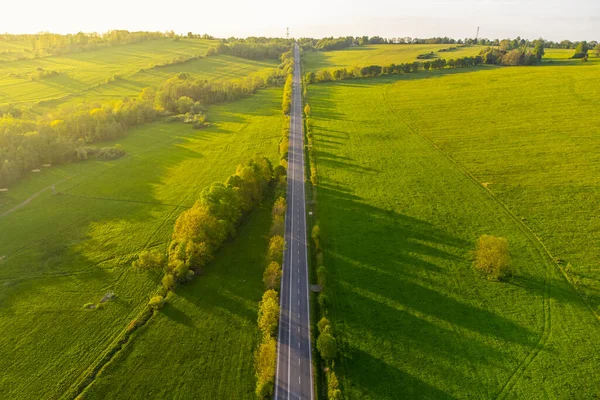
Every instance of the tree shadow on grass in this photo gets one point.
(397, 290)
(176, 315)
(381, 380)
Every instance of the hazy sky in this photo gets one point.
(551, 19)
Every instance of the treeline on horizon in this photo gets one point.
(65, 135)
(508, 57)
(331, 43)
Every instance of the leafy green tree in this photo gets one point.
(168, 282)
(492, 257)
(149, 260)
(276, 246)
(327, 346)
(324, 325)
(268, 313)
(307, 109)
(538, 50)
(333, 386)
(265, 361)
(272, 275)
(157, 302)
(581, 50)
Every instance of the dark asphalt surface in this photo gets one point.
(293, 378)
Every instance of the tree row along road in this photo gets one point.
(293, 379)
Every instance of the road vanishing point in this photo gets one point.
(294, 378)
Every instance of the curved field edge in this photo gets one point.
(78, 244)
(421, 284)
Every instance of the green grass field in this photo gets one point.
(514, 153)
(380, 54)
(201, 344)
(59, 252)
(83, 75)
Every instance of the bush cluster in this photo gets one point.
(251, 48)
(492, 257)
(202, 229)
(325, 75)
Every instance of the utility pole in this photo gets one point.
(287, 33)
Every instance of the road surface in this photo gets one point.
(293, 379)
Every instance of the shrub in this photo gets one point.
(276, 246)
(492, 257)
(322, 300)
(168, 282)
(279, 207)
(315, 235)
(333, 387)
(307, 109)
(110, 153)
(324, 325)
(278, 226)
(149, 261)
(268, 313)
(272, 275)
(321, 275)
(265, 360)
(327, 346)
(157, 302)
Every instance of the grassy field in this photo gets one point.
(59, 252)
(12, 50)
(399, 217)
(83, 75)
(380, 54)
(201, 344)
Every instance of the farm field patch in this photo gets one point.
(399, 218)
(72, 245)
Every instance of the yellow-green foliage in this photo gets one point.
(272, 275)
(157, 302)
(276, 246)
(287, 95)
(265, 361)
(268, 313)
(492, 257)
(149, 260)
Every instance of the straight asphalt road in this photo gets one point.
(293, 379)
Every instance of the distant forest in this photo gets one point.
(331, 43)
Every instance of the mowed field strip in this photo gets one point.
(84, 75)
(64, 250)
(381, 54)
(399, 219)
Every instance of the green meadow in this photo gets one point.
(83, 76)
(381, 54)
(412, 170)
(201, 344)
(71, 245)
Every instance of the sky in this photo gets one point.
(550, 19)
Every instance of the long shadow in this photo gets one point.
(396, 285)
(381, 380)
(176, 315)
